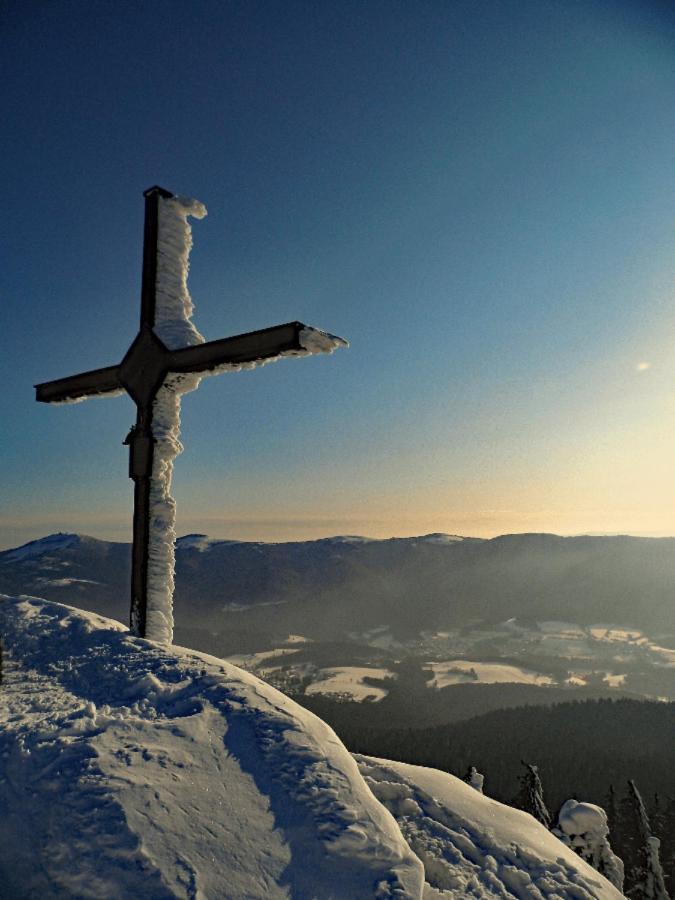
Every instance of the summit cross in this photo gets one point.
(167, 357)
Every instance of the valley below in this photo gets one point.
(428, 629)
(552, 657)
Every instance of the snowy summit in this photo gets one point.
(132, 769)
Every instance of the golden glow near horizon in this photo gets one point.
(591, 454)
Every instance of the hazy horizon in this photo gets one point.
(289, 532)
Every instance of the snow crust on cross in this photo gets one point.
(168, 358)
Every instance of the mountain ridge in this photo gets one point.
(331, 584)
(439, 537)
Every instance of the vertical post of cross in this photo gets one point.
(140, 438)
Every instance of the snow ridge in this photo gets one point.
(472, 846)
(183, 776)
(48, 544)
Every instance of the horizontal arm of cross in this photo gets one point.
(244, 348)
(148, 361)
(76, 387)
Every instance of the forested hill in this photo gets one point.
(580, 748)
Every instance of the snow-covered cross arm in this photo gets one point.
(168, 358)
(78, 387)
(154, 360)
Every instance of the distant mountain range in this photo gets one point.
(334, 587)
(433, 628)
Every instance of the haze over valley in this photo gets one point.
(480, 624)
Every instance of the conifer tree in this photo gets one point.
(647, 876)
(656, 813)
(612, 810)
(658, 819)
(531, 795)
(628, 838)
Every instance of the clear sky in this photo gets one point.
(478, 195)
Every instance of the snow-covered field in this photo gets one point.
(600, 656)
(349, 681)
(265, 662)
(460, 671)
(554, 639)
(130, 769)
(603, 654)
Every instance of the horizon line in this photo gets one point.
(452, 538)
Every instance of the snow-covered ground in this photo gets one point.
(472, 846)
(606, 655)
(43, 546)
(350, 681)
(263, 663)
(134, 770)
(459, 671)
(130, 769)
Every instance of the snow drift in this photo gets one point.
(132, 769)
(584, 827)
(472, 846)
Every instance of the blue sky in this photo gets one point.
(478, 195)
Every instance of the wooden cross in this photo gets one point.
(143, 371)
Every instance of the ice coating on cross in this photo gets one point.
(167, 358)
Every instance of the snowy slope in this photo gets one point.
(129, 769)
(53, 543)
(472, 846)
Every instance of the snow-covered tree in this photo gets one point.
(662, 819)
(531, 795)
(475, 779)
(648, 882)
(584, 828)
(667, 848)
